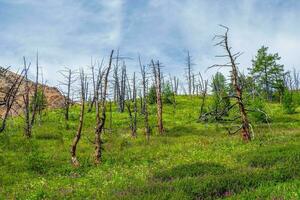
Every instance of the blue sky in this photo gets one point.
(69, 32)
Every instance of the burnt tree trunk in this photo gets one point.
(77, 137)
(134, 105)
(9, 95)
(145, 105)
(246, 134)
(35, 97)
(101, 120)
(157, 78)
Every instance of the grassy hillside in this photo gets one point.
(192, 161)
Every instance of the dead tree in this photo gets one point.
(296, 77)
(132, 116)
(143, 85)
(35, 92)
(86, 87)
(30, 115)
(116, 84)
(176, 83)
(238, 96)
(145, 105)
(42, 98)
(68, 80)
(203, 90)
(9, 94)
(101, 120)
(122, 89)
(157, 80)
(174, 97)
(94, 86)
(77, 137)
(189, 72)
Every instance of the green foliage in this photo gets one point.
(192, 161)
(289, 103)
(40, 100)
(152, 95)
(168, 95)
(36, 162)
(258, 111)
(219, 83)
(220, 102)
(267, 73)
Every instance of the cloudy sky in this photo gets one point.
(69, 32)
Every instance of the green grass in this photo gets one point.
(191, 161)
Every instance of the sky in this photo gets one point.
(67, 33)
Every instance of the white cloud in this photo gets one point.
(68, 33)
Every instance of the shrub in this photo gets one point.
(40, 100)
(168, 95)
(152, 95)
(289, 103)
(258, 113)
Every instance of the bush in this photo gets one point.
(40, 100)
(168, 95)
(258, 113)
(289, 103)
(152, 95)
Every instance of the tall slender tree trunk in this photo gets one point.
(156, 69)
(101, 120)
(77, 137)
(245, 122)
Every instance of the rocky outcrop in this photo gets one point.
(53, 96)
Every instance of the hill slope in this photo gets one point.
(192, 160)
(53, 96)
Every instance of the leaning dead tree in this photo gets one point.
(29, 101)
(68, 80)
(101, 120)
(157, 81)
(238, 93)
(77, 137)
(9, 94)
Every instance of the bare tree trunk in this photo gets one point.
(77, 137)
(145, 106)
(176, 83)
(9, 95)
(67, 99)
(203, 88)
(110, 116)
(68, 80)
(234, 75)
(94, 86)
(35, 97)
(26, 102)
(143, 72)
(134, 107)
(157, 78)
(189, 72)
(101, 121)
